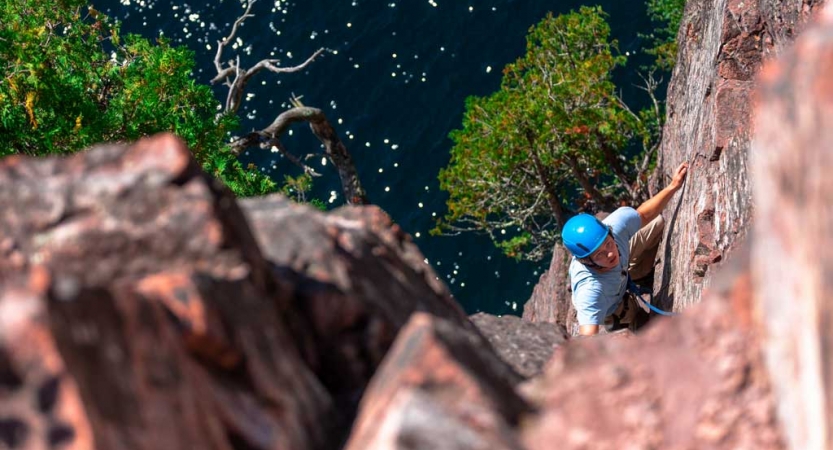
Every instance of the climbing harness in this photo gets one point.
(638, 292)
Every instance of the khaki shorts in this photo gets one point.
(643, 248)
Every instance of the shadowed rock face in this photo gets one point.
(40, 404)
(526, 346)
(438, 388)
(357, 278)
(162, 325)
(154, 300)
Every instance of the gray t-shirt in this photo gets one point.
(596, 295)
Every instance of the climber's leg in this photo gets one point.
(643, 248)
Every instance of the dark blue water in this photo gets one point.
(394, 86)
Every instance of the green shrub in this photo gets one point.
(70, 80)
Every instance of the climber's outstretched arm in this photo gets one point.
(652, 207)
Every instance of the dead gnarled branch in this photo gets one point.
(236, 78)
(324, 131)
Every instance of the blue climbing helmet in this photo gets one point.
(583, 234)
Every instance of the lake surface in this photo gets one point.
(394, 86)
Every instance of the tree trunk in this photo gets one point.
(351, 187)
(584, 182)
(616, 166)
(552, 193)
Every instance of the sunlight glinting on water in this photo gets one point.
(387, 161)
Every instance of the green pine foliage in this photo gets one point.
(70, 81)
(543, 144)
(297, 187)
(667, 15)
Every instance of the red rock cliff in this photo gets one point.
(722, 45)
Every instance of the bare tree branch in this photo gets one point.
(269, 64)
(584, 182)
(242, 76)
(612, 159)
(237, 86)
(223, 74)
(236, 79)
(335, 150)
(222, 44)
(257, 139)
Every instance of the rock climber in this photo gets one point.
(606, 251)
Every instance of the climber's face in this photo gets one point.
(607, 256)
